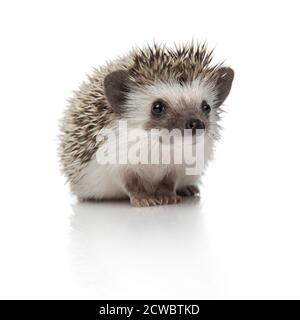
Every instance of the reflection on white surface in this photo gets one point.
(157, 252)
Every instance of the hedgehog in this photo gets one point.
(154, 87)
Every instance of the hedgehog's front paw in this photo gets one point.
(171, 198)
(189, 191)
(155, 200)
(144, 201)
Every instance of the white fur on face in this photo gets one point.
(139, 101)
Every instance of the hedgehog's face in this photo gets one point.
(173, 105)
(169, 105)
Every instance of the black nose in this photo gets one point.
(194, 124)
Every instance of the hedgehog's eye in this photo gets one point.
(158, 108)
(205, 107)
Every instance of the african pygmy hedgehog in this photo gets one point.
(154, 87)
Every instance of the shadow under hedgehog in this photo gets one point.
(156, 87)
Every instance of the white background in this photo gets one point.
(241, 241)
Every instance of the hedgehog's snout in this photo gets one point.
(194, 124)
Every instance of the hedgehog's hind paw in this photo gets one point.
(189, 191)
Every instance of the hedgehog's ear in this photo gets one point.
(224, 83)
(116, 87)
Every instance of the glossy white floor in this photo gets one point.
(240, 241)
